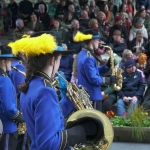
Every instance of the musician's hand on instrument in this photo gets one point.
(19, 118)
(125, 99)
(113, 79)
(108, 63)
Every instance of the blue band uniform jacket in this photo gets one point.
(8, 107)
(89, 74)
(16, 77)
(44, 115)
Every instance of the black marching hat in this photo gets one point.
(6, 52)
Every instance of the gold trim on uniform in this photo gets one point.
(15, 116)
(63, 139)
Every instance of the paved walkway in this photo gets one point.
(129, 146)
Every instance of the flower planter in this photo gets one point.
(124, 134)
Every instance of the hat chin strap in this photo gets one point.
(53, 69)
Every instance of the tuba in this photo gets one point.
(85, 111)
(115, 71)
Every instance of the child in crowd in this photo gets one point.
(127, 54)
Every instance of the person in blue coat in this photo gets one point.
(16, 77)
(143, 4)
(88, 72)
(43, 113)
(9, 114)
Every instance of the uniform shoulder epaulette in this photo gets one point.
(19, 62)
(47, 82)
(89, 54)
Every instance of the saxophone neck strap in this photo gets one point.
(93, 54)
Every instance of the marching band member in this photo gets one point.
(9, 114)
(17, 75)
(89, 74)
(44, 114)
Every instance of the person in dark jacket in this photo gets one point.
(143, 4)
(25, 10)
(36, 6)
(118, 43)
(118, 26)
(61, 10)
(137, 44)
(13, 6)
(34, 24)
(132, 90)
(43, 17)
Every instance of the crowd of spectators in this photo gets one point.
(123, 26)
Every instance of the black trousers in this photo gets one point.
(107, 104)
(97, 105)
(9, 141)
(23, 142)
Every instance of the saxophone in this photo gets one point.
(115, 71)
(80, 98)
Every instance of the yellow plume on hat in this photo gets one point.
(34, 46)
(79, 37)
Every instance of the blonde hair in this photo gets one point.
(125, 54)
(123, 13)
(92, 22)
(100, 13)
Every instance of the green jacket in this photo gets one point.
(61, 33)
(17, 34)
(109, 91)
